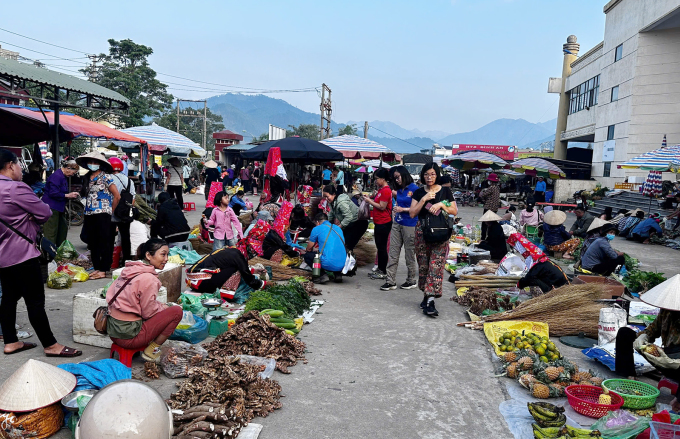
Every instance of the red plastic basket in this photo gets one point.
(583, 399)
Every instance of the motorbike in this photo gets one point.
(75, 211)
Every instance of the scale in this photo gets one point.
(216, 317)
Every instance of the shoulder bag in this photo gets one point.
(437, 228)
(350, 262)
(101, 314)
(47, 249)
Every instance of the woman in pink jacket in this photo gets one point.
(136, 318)
(223, 218)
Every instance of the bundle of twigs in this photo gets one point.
(201, 247)
(489, 281)
(567, 310)
(364, 253)
(280, 272)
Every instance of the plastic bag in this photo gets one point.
(66, 251)
(620, 424)
(193, 335)
(178, 356)
(192, 303)
(187, 321)
(176, 259)
(190, 256)
(52, 267)
(77, 273)
(269, 363)
(59, 281)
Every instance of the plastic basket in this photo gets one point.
(661, 430)
(624, 388)
(583, 399)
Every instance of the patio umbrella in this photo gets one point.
(295, 149)
(663, 159)
(537, 167)
(376, 164)
(354, 147)
(652, 186)
(365, 169)
(164, 141)
(475, 159)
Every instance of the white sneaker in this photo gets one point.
(304, 266)
(375, 268)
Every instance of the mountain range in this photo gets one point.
(251, 115)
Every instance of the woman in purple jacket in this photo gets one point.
(56, 194)
(20, 276)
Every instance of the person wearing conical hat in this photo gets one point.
(592, 233)
(600, 257)
(495, 238)
(625, 227)
(491, 197)
(667, 326)
(211, 175)
(556, 237)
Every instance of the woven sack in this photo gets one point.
(38, 424)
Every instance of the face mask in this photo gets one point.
(93, 167)
(610, 237)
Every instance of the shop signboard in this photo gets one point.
(506, 152)
(608, 150)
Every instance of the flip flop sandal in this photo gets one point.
(25, 347)
(67, 352)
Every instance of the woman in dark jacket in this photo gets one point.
(556, 237)
(495, 238)
(300, 220)
(170, 223)
(211, 175)
(56, 196)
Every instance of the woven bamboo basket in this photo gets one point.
(38, 424)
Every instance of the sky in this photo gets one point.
(449, 65)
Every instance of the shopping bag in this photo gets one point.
(350, 262)
(611, 320)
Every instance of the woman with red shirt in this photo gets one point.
(382, 218)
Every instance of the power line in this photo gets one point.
(44, 42)
(35, 51)
(398, 138)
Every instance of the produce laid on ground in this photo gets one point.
(280, 272)
(551, 423)
(642, 281)
(290, 298)
(484, 301)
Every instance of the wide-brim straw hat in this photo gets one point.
(635, 212)
(666, 295)
(490, 216)
(211, 164)
(104, 164)
(555, 217)
(35, 385)
(597, 223)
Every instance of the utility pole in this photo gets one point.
(205, 122)
(326, 111)
(93, 69)
(177, 115)
(366, 130)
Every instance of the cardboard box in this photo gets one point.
(613, 288)
(84, 305)
(170, 277)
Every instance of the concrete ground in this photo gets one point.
(377, 367)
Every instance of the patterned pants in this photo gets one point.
(566, 246)
(431, 260)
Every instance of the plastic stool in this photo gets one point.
(669, 384)
(124, 355)
(189, 206)
(186, 245)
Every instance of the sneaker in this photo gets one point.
(321, 280)
(429, 309)
(423, 304)
(408, 285)
(377, 275)
(375, 268)
(388, 286)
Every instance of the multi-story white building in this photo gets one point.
(623, 95)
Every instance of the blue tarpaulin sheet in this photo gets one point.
(97, 374)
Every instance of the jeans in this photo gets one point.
(382, 235)
(176, 192)
(97, 227)
(406, 236)
(18, 281)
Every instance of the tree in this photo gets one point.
(348, 129)
(308, 131)
(126, 70)
(264, 137)
(192, 127)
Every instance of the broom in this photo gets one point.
(364, 253)
(280, 272)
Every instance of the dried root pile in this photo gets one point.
(81, 262)
(151, 370)
(253, 334)
(364, 253)
(311, 289)
(481, 299)
(567, 310)
(208, 420)
(280, 272)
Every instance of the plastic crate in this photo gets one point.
(661, 430)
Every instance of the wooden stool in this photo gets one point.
(124, 355)
(189, 206)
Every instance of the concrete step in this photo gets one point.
(630, 201)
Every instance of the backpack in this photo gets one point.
(124, 208)
(437, 228)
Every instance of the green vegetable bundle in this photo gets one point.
(642, 281)
(291, 298)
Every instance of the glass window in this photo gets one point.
(615, 93)
(610, 132)
(618, 53)
(607, 169)
(584, 95)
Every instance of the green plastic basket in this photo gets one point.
(625, 388)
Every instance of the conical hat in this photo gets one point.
(490, 216)
(95, 155)
(211, 164)
(597, 223)
(666, 295)
(555, 217)
(35, 385)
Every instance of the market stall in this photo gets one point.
(355, 147)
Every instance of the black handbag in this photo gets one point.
(47, 249)
(437, 228)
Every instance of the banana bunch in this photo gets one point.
(550, 423)
(565, 432)
(276, 317)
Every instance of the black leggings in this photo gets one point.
(98, 230)
(382, 237)
(24, 280)
(124, 229)
(608, 266)
(176, 192)
(354, 232)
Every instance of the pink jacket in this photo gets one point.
(138, 299)
(222, 220)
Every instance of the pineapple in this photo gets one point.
(586, 383)
(540, 391)
(512, 370)
(510, 357)
(586, 375)
(576, 377)
(552, 372)
(652, 350)
(597, 381)
(525, 363)
(527, 379)
(556, 390)
(604, 398)
(560, 369)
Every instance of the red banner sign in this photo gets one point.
(506, 152)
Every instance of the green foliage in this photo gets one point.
(308, 131)
(261, 138)
(126, 70)
(294, 293)
(642, 281)
(348, 129)
(192, 127)
(600, 191)
(291, 298)
(631, 263)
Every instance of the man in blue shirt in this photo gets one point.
(331, 245)
(539, 192)
(645, 230)
(340, 180)
(326, 176)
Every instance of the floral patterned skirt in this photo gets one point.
(566, 247)
(431, 261)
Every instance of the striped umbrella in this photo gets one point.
(652, 186)
(376, 164)
(475, 159)
(365, 169)
(355, 147)
(662, 159)
(164, 141)
(537, 167)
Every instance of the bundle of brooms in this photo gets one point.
(567, 310)
(280, 272)
(364, 253)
